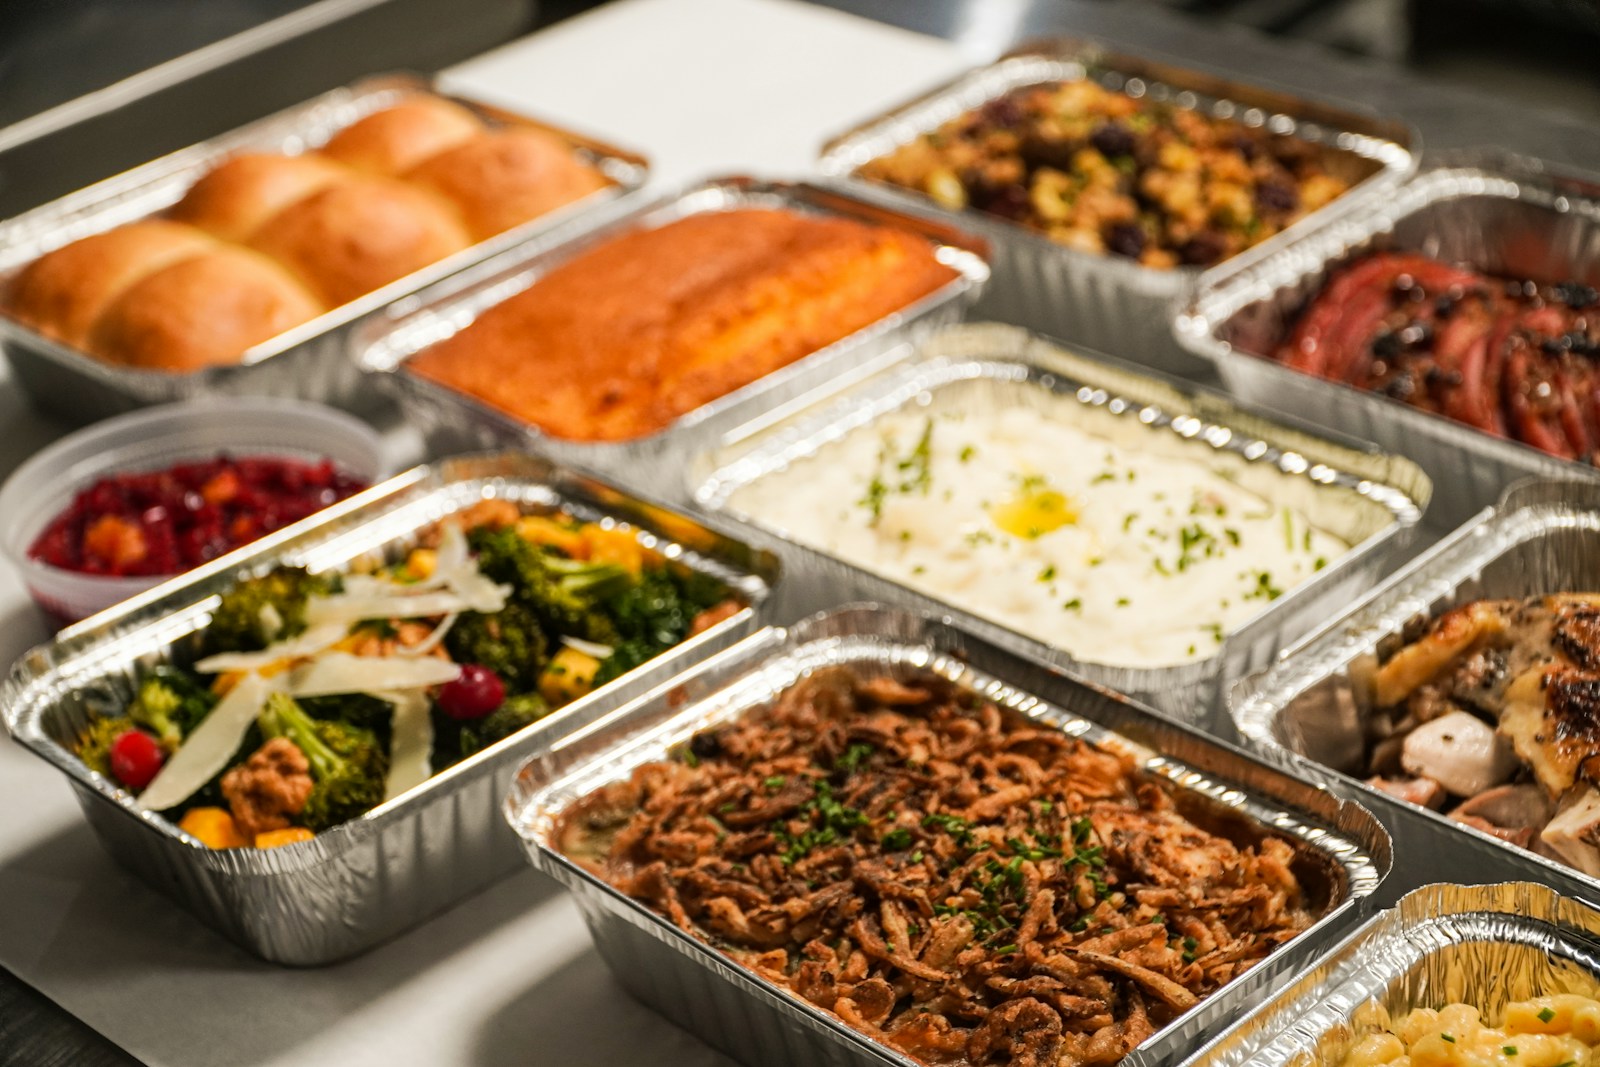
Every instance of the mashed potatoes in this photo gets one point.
(1114, 554)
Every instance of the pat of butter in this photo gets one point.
(1033, 513)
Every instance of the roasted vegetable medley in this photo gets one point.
(1101, 171)
(317, 697)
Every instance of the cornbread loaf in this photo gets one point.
(269, 241)
(625, 338)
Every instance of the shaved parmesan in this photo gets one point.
(455, 585)
(340, 672)
(349, 608)
(208, 749)
(306, 644)
(411, 743)
(271, 620)
(588, 648)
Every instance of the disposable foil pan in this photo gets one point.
(307, 361)
(452, 419)
(1480, 945)
(350, 887)
(1369, 499)
(1495, 212)
(1106, 301)
(1344, 850)
(1311, 708)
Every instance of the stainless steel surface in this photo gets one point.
(1481, 945)
(1370, 499)
(1490, 210)
(365, 880)
(731, 1008)
(308, 361)
(1310, 709)
(89, 88)
(1106, 301)
(652, 463)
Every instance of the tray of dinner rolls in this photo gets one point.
(241, 264)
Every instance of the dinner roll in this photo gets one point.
(235, 199)
(61, 294)
(204, 310)
(396, 139)
(506, 177)
(355, 236)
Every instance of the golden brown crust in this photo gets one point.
(624, 339)
(296, 234)
(507, 177)
(353, 237)
(61, 294)
(239, 196)
(201, 311)
(394, 140)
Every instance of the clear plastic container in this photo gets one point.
(151, 440)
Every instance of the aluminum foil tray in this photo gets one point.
(1310, 709)
(1479, 945)
(350, 887)
(1493, 211)
(1369, 499)
(308, 361)
(1107, 302)
(454, 420)
(730, 1007)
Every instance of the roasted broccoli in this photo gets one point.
(170, 705)
(518, 711)
(360, 710)
(259, 611)
(348, 765)
(509, 642)
(654, 615)
(566, 595)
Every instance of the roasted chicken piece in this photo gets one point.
(1532, 667)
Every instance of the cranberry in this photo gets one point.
(474, 694)
(186, 514)
(136, 758)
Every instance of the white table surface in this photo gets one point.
(702, 87)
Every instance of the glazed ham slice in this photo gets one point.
(1509, 358)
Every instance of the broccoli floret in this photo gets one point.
(567, 596)
(519, 710)
(360, 710)
(94, 743)
(508, 642)
(348, 766)
(259, 611)
(170, 705)
(654, 615)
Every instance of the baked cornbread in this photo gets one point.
(621, 340)
(264, 242)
